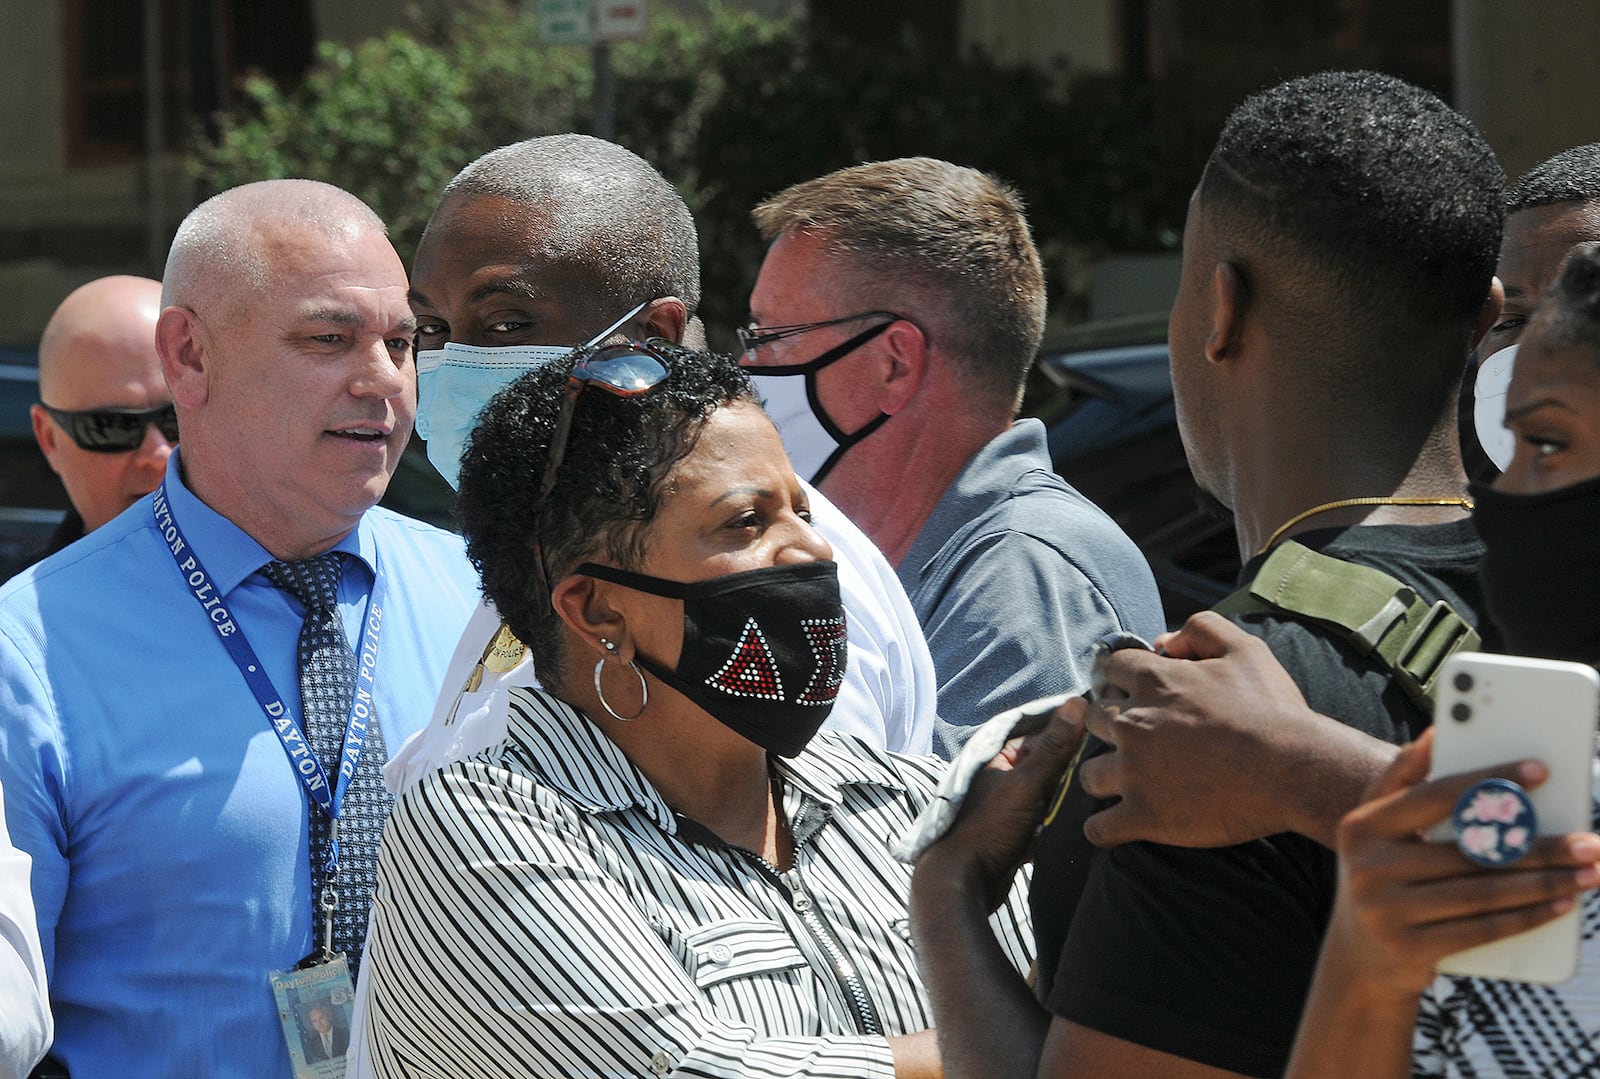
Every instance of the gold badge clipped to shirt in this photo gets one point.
(502, 655)
(505, 652)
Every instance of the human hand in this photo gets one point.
(993, 834)
(1215, 745)
(1405, 903)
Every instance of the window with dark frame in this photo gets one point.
(207, 48)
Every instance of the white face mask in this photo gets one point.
(454, 384)
(788, 392)
(812, 440)
(1489, 407)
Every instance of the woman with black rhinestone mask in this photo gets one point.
(665, 866)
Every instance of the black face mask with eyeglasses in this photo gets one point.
(764, 650)
(114, 430)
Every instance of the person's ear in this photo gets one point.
(666, 317)
(44, 433)
(1489, 313)
(185, 358)
(902, 365)
(1229, 296)
(584, 604)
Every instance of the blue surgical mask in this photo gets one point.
(454, 384)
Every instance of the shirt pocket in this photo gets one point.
(741, 948)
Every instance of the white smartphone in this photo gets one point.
(1493, 709)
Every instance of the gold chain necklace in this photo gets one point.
(1464, 503)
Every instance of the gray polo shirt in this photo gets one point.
(1014, 576)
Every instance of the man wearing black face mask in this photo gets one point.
(896, 315)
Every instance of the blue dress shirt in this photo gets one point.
(168, 833)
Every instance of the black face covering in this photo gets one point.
(763, 650)
(1539, 569)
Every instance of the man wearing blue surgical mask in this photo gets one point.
(541, 246)
(557, 241)
(497, 299)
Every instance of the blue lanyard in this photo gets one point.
(301, 758)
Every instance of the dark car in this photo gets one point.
(1113, 434)
(32, 499)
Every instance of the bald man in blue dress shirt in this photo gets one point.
(172, 868)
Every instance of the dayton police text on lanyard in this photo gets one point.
(301, 757)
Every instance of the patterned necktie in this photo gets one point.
(327, 685)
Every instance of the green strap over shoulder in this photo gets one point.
(1380, 616)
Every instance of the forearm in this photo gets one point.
(986, 1017)
(916, 1056)
(1327, 775)
(1348, 1018)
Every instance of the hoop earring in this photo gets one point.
(599, 688)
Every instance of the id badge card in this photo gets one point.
(314, 1005)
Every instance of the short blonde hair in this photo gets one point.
(947, 246)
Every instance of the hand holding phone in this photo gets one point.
(1495, 709)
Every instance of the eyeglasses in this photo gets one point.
(752, 337)
(115, 430)
(626, 370)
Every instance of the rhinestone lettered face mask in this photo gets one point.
(763, 650)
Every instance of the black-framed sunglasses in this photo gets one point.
(624, 370)
(752, 337)
(114, 430)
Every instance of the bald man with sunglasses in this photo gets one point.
(104, 420)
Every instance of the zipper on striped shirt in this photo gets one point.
(855, 990)
(862, 1009)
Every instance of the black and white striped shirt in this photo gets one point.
(542, 911)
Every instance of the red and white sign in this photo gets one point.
(618, 20)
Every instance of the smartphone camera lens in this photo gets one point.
(1463, 682)
(1462, 711)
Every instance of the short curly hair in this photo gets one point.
(1385, 188)
(620, 451)
(1371, 212)
(1573, 175)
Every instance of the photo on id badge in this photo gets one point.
(314, 1008)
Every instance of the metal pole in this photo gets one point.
(603, 102)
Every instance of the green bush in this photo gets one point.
(732, 108)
